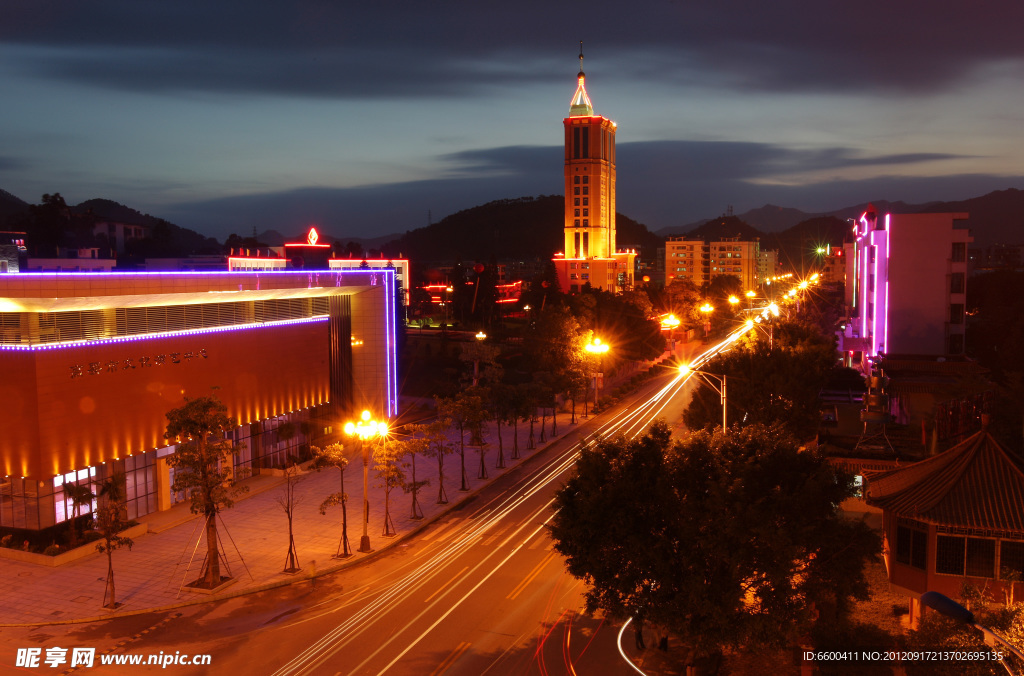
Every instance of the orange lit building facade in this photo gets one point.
(92, 363)
(590, 255)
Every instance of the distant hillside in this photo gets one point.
(525, 228)
(114, 211)
(996, 218)
(11, 207)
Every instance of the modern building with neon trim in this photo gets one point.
(905, 285)
(92, 362)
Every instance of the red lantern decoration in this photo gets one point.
(478, 268)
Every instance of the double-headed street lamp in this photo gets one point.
(596, 347)
(366, 429)
(685, 369)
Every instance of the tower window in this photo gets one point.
(586, 179)
(576, 191)
(586, 212)
(577, 201)
(585, 190)
(577, 181)
(577, 212)
(586, 201)
(586, 223)
(576, 222)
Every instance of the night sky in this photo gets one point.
(363, 117)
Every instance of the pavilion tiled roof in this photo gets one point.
(975, 484)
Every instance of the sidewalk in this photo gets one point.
(151, 575)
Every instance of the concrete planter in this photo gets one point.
(75, 554)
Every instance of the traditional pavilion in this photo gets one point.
(956, 517)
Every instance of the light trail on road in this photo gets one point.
(631, 422)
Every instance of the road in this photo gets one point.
(480, 591)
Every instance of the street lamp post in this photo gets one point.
(670, 323)
(955, 611)
(365, 429)
(596, 347)
(685, 368)
(476, 362)
(707, 309)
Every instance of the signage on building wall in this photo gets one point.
(95, 368)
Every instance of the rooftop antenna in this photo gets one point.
(581, 57)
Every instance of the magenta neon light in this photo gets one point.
(165, 334)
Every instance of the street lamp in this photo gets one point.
(685, 370)
(598, 348)
(955, 611)
(365, 429)
(707, 309)
(476, 362)
(670, 323)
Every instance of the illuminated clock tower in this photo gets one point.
(590, 254)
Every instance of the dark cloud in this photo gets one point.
(412, 48)
(8, 163)
(663, 184)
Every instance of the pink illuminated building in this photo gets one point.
(905, 285)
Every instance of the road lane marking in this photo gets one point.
(529, 578)
(445, 585)
(450, 660)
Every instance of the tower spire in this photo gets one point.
(580, 106)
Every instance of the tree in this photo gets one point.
(467, 413)
(769, 380)
(80, 496)
(203, 468)
(728, 539)
(110, 521)
(437, 446)
(520, 408)
(289, 500)
(413, 447)
(391, 475)
(334, 456)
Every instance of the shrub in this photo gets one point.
(52, 550)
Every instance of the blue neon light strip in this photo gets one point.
(166, 334)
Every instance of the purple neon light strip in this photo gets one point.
(885, 326)
(878, 308)
(166, 334)
(192, 273)
(389, 324)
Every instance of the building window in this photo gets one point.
(576, 212)
(956, 343)
(911, 546)
(575, 191)
(585, 275)
(576, 222)
(573, 276)
(1011, 560)
(576, 180)
(572, 266)
(585, 266)
(975, 557)
(959, 252)
(586, 212)
(576, 202)
(956, 313)
(956, 282)
(585, 190)
(585, 223)
(586, 201)
(586, 179)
